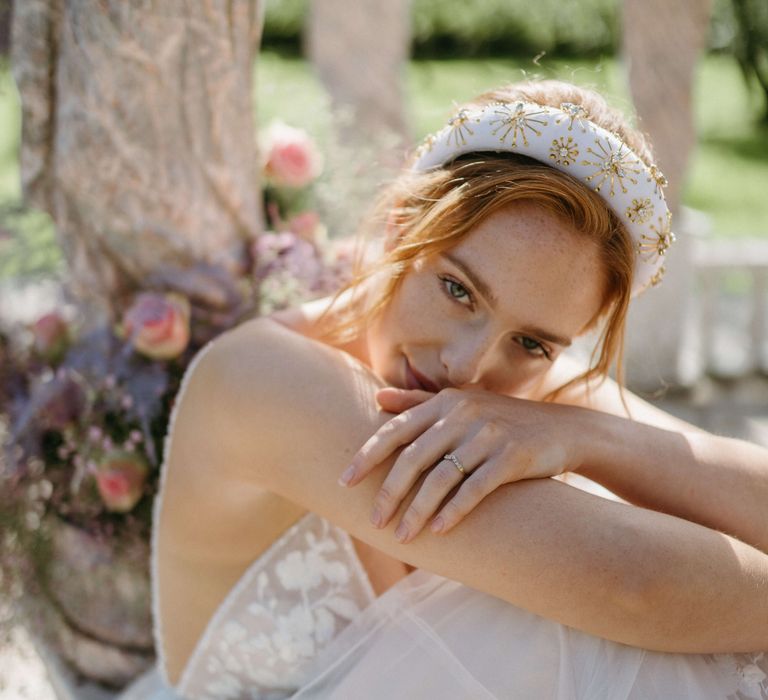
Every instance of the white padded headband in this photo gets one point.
(566, 139)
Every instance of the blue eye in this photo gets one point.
(534, 347)
(456, 290)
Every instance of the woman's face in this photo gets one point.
(496, 310)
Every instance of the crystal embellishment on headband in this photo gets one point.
(566, 139)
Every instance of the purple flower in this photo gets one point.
(62, 403)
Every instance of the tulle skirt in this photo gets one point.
(430, 637)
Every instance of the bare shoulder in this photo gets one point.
(265, 350)
(303, 409)
(284, 393)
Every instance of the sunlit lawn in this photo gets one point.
(729, 170)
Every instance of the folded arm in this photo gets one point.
(647, 456)
(299, 410)
(661, 462)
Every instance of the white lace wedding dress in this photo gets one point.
(303, 622)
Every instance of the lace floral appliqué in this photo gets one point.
(292, 602)
(750, 674)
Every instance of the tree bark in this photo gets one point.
(138, 138)
(663, 42)
(359, 50)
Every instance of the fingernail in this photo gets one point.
(376, 517)
(402, 532)
(437, 524)
(346, 477)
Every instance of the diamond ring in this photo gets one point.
(456, 463)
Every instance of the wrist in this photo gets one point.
(600, 439)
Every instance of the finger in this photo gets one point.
(398, 431)
(396, 400)
(441, 480)
(422, 454)
(482, 481)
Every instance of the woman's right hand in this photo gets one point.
(495, 439)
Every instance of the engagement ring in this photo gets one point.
(456, 463)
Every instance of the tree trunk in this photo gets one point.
(359, 50)
(138, 138)
(663, 42)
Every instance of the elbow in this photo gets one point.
(633, 586)
(654, 600)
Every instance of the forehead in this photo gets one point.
(535, 265)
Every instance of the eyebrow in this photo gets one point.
(482, 287)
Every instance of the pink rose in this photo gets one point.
(290, 156)
(51, 336)
(305, 225)
(120, 478)
(158, 325)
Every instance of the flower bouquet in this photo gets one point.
(85, 409)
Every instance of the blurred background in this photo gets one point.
(455, 50)
(460, 49)
(365, 83)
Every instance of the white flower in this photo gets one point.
(336, 572)
(294, 634)
(297, 572)
(751, 678)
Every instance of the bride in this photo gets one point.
(530, 219)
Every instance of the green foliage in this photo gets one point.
(750, 45)
(726, 178)
(28, 246)
(513, 27)
(727, 172)
(283, 22)
(479, 28)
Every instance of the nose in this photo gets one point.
(465, 358)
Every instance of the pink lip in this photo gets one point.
(416, 380)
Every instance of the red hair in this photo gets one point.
(429, 212)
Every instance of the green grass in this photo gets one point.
(433, 86)
(10, 126)
(729, 169)
(33, 250)
(729, 166)
(729, 172)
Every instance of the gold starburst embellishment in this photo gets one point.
(658, 276)
(515, 120)
(576, 113)
(613, 165)
(459, 128)
(655, 175)
(564, 151)
(657, 244)
(426, 145)
(640, 211)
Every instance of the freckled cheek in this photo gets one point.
(418, 310)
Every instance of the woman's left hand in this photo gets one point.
(496, 439)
